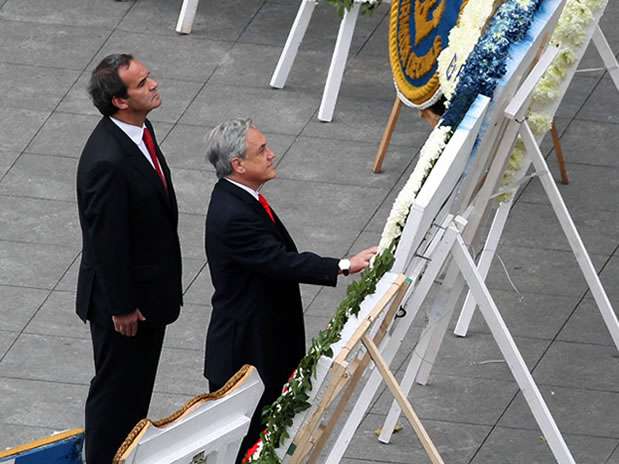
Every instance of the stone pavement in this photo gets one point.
(327, 197)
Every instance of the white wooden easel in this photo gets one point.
(338, 60)
(501, 215)
(430, 341)
(496, 146)
(186, 16)
(208, 428)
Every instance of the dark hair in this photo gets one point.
(105, 83)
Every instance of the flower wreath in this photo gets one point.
(480, 75)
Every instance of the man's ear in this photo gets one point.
(237, 166)
(120, 103)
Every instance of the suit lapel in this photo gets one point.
(140, 163)
(247, 198)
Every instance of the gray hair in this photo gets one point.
(225, 142)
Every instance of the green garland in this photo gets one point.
(280, 414)
(367, 7)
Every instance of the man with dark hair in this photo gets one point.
(256, 269)
(129, 282)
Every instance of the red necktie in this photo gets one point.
(265, 204)
(150, 145)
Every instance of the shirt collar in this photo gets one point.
(249, 190)
(135, 133)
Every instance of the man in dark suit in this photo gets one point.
(129, 283)
(256, 269)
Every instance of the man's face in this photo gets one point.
(259, 163)
(142, 90)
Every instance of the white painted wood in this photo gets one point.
(391, 345)
(511, 354)
(603, 48)
(213, 429)
(338, 63)
(485, 260)
(187, 16)
(291, 48)
(573, 237)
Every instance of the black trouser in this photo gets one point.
(255, 426)
(120, 391)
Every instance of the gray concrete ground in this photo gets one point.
(327, 197)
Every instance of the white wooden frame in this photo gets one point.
(186, 16)
(338, 60)
(211, 429)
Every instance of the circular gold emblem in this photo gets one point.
(418, 32)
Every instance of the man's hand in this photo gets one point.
(127, 324)
(362, 259)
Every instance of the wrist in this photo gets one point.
(344, 266)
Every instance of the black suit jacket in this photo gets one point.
(130, 248)
(256, 269)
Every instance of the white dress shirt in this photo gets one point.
(249, 190)
(136, 134)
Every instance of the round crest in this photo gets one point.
(418, 32)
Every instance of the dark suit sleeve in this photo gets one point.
(252, 245)
(107, 217)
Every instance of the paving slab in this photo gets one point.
(579, 365)
(6, 340)
(41, 176)
(39, 221)
(532, 315)
(221, 21)
(18, 126)
(456, 399)
(280, 111)
(531, 269)
(172, 57)
(592, 188)
(614, 459)
(480, 357)
(191, 233)
(586, 412)
(32, 264)
(180, 372)
(19, 304)
(580, 135)
(21, 86)
(57, 317)
(43, 357)
(598, 229)
(19, 434)
(193, 189)
(339, 162)
(201, 289)
(586, 325)
(364, 120)
(515, 446)
(609, 277)
(272, 24)
(66, 12)
(189, 330)
(191, 268)
(602, 104)
(185, 147)
(51, 45)
(57, 405)
(7, 159)
(75, 130)
(175, 96)
(456, 443)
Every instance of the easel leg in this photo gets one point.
(485, 260)
(390, 349)
(607, 55)
(338, 63)
(186, 16)
(386, 140)
(511, 354)
(402, 400)
(573, 237)
(295, 37)
(556, 142)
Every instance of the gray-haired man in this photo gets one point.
(256, 269)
